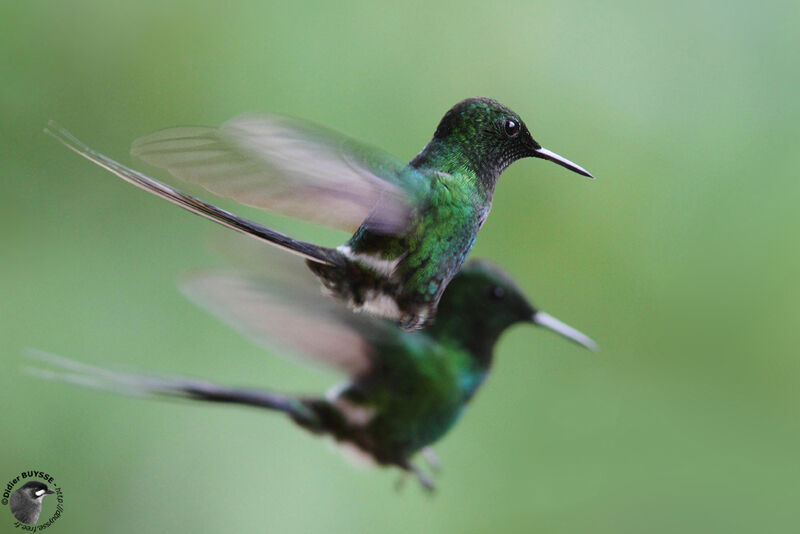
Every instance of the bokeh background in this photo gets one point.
(681, 260)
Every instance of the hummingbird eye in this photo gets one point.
(510, 127)
(496, 293)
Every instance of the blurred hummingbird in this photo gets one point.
(404, 389)
(415, 222)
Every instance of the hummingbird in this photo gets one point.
(414, 223)
(403, 390)
(26, 502)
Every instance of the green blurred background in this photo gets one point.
(681, 260)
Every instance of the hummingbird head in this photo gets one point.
(482, 301)
(486, 136)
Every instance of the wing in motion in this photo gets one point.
(195, 205)
(301, 322)
(289, 167)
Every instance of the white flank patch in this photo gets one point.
(353, 454)
(381, 304)
(355, 414)
(332, 394)
(376, 263)
(375, 302)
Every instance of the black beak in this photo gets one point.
(564, 162)
(48, 491)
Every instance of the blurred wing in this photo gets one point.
(304, 323)
(289, 167)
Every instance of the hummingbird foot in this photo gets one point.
(414, 321)
(425, 481)
(431, 459)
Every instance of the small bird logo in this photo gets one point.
(26, 502)
(415, 223)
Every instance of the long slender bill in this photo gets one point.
(551, 323)
(564, 162)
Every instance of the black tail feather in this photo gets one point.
(307, 250)
(59, 368)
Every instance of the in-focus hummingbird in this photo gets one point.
(404, 389)
(415, 222)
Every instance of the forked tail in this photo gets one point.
(195, 205)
